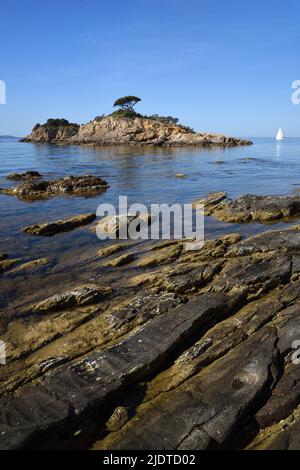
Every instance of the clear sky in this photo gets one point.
(218, 65)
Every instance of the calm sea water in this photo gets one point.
(145, 175)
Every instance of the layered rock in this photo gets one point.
(54, 130)
(113, 130)
(28, 175)
(193, 355)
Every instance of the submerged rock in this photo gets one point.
(62, 225)
(73, 185)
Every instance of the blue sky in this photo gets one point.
(218, 65)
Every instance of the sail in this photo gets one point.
(280, 135)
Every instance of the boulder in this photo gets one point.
(28, 175)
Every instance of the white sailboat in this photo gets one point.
(280, 135)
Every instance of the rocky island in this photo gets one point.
(155, 337)
(127, 127)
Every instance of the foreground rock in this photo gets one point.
(249, 208)
(194, 354)
(51, 228)
(69, 185)
(112, 130)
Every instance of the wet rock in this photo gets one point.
(284, 435)
(118, 419)
(53, 131)
(180, 175)
(51, 228)
(29, 266)
(3, 256)
(121, 260)
(69, 185)
(110, 250)
(120, 226)
(89, 383)
(211, 201)
(135, 130)
(208, 406)
(257, 208)
(207, 339)
(28, 175)
(84, 295)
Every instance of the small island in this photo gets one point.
(125, 126)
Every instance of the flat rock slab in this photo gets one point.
(51, 228)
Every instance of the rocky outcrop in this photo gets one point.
(113, 130)
(54, 130)
(87, 185)
(250, 208)
(57, 226)
(196, 354)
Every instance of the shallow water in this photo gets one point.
(145, 175)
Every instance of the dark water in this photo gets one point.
(145, 175)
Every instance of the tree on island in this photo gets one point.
(126, 103)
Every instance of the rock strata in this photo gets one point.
(196, 353)
(87, 185)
